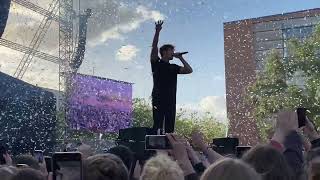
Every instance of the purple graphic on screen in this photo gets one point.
(99, 105)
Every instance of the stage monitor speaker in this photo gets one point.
(134, 134)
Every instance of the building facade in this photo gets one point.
(247, 44)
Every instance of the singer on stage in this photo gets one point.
(165, 83)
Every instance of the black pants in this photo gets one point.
(164, 115)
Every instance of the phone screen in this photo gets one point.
(157, 142)
(48, 161)
(241, 150)
(38, 154)
(67, 166)
(301, 112)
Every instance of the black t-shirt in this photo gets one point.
(164, 82)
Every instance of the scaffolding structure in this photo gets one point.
(70, 56)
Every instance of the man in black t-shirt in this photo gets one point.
(165, 82)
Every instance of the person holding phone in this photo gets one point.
(165, 82)
(311, 132)
(288, 140)
(38, 154)
(67, 166)
(5, 158)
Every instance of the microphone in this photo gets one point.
(181, 53)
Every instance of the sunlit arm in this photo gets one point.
(186, 69)
(154, 52)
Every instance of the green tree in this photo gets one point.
(186, 122)
(276, 87)
(142, 113)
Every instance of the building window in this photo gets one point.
(276, 36)
(299, 33)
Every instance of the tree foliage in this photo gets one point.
(186, 122)
(288, 83)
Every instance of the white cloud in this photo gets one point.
(213, 104)
(124, 20)
(38, 72)
(148, 14)
(216, 105)
(110, 20)
(127, 53)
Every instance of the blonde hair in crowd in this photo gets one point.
(161, 167)
(230, 169)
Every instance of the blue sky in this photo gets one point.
(197, 27)
(120, 35)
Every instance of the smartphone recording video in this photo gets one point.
(225, 146)
(301, 112)
(48, 161)
(156, 142)
(38, 154)
(67, 166)
(241, 150)
(3, 151)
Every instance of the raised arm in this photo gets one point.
(154, 52)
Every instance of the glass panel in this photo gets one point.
(290, 23)
(299, 33)
(306, 21)
(268, 45)
(267, 26)
(262, 55)
(268, 35)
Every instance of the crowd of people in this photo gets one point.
(292, 154)
(98, 119)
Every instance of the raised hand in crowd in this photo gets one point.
(199, 142)
(192, 154)
(287, 121)
(8, 159)
(310, 131)
(180, 154)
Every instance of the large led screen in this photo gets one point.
(98, 104)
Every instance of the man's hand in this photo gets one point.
(154, 52)
(178, 147)
(194, 158)
(8, 159)
(198, 140)
(287, 121)
(159, 25)
(43, 168)
(310, 130)
(186, 69)
(179, 152)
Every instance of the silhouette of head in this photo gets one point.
(124, 153)
(167, 51)
(269, 162)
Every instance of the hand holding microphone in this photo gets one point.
(179, 54)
